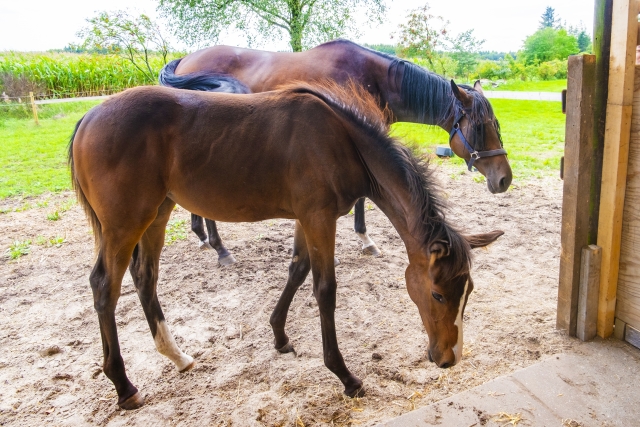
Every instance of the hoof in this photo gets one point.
(287, 348)
(205, 246)
(226, 260)
(355, 392)
(133, 402)
(336, 261)
(188, 367)
(372, 250)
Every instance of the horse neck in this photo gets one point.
(427, 98)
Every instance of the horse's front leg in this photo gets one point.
(298, 271)
(321, 244)
(368, 245)
(224, 256)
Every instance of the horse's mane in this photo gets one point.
(361, 108)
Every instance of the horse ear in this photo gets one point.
(456, 91)
(438, 249)
(477, 86)
(482, 240)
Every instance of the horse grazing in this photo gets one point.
(253, 157)
(411, 94)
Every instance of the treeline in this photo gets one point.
(426, 40)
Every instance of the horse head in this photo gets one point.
(439, 283)
(475, 136)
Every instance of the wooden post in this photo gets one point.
(577, 185)
(34, 108)
(589, 288)
(602, 50)
(624, 23)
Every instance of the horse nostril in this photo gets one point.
(446, 365)
(502, 184)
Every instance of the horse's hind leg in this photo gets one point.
(115, 251)
(298, 271)
(197, 226)
(224, 256)
(144, 270)
(368, 246)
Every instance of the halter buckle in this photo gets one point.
(475, 155)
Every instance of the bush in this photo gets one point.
(493, 70)
(552, 70)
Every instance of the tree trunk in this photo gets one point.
(295, 10)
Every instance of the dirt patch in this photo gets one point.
(50, 364)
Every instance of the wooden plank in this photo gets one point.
(589, 288)
(628, 291)
(624, 23)
(576, 186)
(602, 49)
(632, 336)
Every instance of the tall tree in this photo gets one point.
(549, 19)
(422, 35)
(464, 49)
(305, 22)
(548, 44)
(132, 37)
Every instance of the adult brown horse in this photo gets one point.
(249, 158)
(411, 93)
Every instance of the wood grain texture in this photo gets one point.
(616, 150)
(628, 290)
(589, 288)
(577, 175)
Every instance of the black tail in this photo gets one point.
(82, 199)
(202, 80)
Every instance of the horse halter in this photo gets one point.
(475, 154)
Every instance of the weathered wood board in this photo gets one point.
(628, 292)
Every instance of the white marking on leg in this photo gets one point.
(205, 245)
(366, 240)
(457, 349)
(166, 345)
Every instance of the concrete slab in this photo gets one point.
(599, 386)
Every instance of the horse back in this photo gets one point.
(194, 147)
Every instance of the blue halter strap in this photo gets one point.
(475, 154)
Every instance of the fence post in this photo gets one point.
(34, 108)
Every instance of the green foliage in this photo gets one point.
(553, 70)
(306, 23)
(493, 70)
(534, 85)
(19, 248)
(33, 158)
(130, 37)
(422, 35)
(464, 50)
(384, 48)
(63, 75)
(549, 44)
(176, 230)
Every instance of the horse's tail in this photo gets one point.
(82, 199)
(202, 80)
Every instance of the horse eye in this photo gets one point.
(438, 297)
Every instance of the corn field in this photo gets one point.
(67, 75)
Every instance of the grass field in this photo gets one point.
(533, 86)
(33, 158)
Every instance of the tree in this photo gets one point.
(306, 22)
(422, 35)
(548, 44)
(133, 38)
(580, 33)
(464, 49)
(549, 19)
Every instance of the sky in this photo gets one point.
(38, 25)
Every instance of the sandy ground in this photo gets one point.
(51, 350)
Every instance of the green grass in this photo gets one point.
(532, 131)
(19, 248)
(176, 230)
(533, 86)
(33, 158)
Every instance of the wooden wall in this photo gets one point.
(628, 293)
